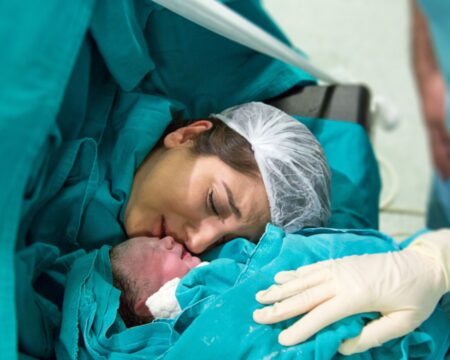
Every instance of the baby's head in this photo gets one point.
(140, 266)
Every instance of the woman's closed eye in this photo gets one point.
(212, 204)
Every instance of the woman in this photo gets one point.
(227, 177)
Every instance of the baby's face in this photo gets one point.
(151, 262)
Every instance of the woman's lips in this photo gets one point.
(163, 226)
(159, 228)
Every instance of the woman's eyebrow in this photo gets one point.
(231, 201)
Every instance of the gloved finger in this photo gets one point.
(320, 317)
(285, 276)
(377, 332)
(293, 306)
(293, 287)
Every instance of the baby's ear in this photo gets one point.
(141, 310)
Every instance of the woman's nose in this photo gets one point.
(203, 237)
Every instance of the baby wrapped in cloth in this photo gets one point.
(217, 302)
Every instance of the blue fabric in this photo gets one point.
(40, 47)
(41, 272)
(181, 62)
(355, 180)
(218, 301)
(225, 320)
(438, 215)
(437, 13)
(91, 179)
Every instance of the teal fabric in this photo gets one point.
(437, 13)
(87, 90)
(41, 272)
(180, 63)
(40, 43)
(355, 180)
(226, 320)
(91, 179)
(217, 302)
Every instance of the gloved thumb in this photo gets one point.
(377, 332)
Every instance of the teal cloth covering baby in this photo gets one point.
(218, 301)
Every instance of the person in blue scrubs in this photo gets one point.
(431, 55)
(404, 286)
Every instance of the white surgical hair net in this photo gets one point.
(293, 166)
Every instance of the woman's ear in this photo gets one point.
(186, 136)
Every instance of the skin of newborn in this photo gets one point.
(140, 267)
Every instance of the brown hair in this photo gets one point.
(223, 142)
(229, 146)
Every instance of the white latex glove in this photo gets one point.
(403, 286)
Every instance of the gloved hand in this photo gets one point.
(403, 286)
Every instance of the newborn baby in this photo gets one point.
(140, 267)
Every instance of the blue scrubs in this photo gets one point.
(437, 13)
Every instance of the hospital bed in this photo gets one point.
(334, 102)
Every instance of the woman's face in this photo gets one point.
(198, 200)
